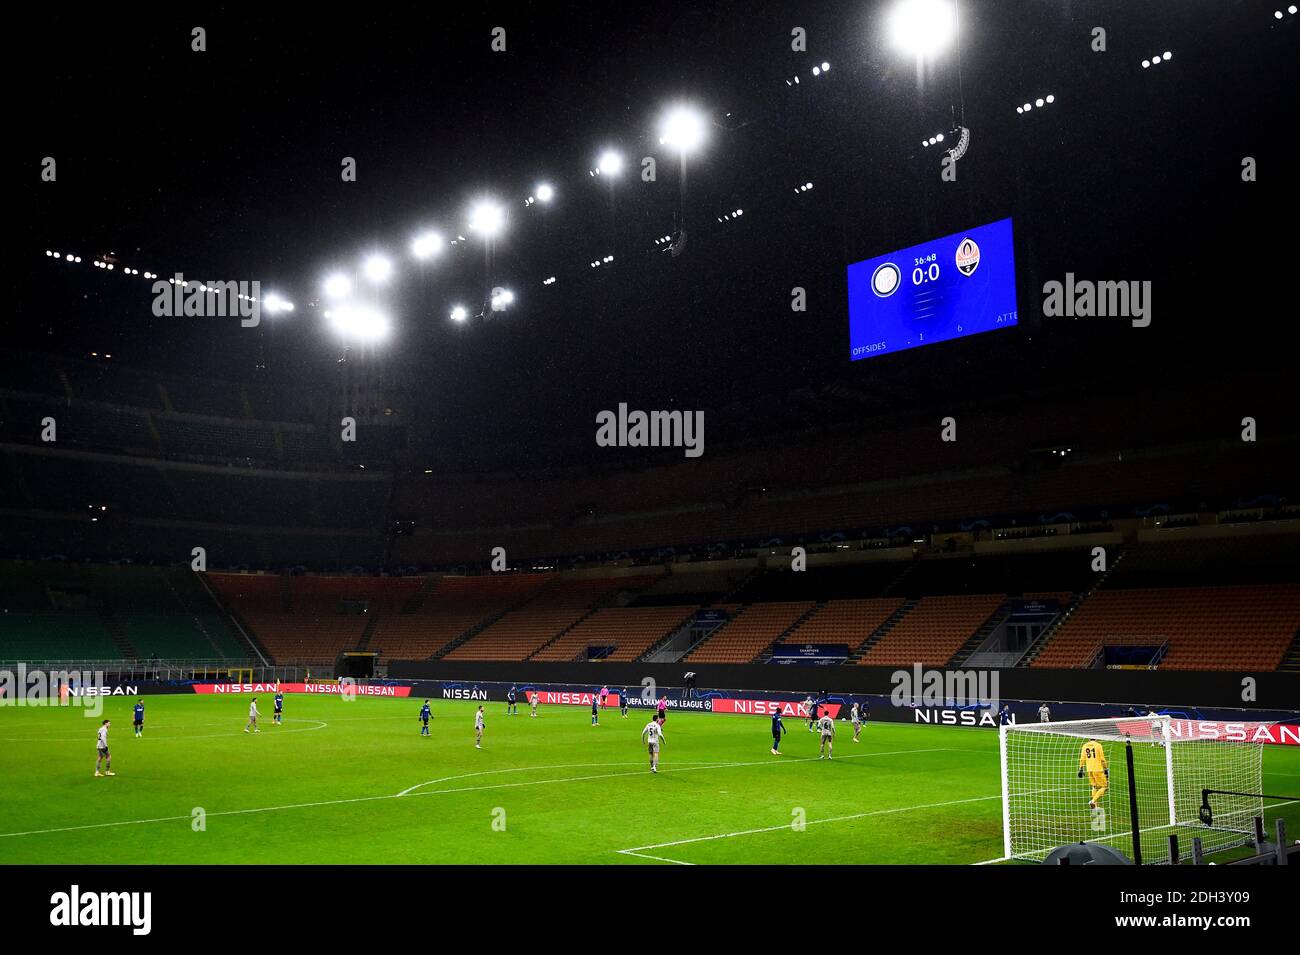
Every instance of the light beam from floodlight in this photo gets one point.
(426, 245)
(487, 218)
(682, 129)
(338, 285)
(377, 268)
(923, 28)
(359, 322)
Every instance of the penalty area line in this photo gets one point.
(639, 850)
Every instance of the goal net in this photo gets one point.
(1046, 804)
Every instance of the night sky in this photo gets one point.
(225, 165)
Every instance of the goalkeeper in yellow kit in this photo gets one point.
(1092, 760)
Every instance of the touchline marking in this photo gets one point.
(436, 792)
(320, 725)
(638, 850)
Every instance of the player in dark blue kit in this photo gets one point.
(778, 730)
(512, 708)
(595, 708)
(139, 718)
(278, 716)
(425, 715)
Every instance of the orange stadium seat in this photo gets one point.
(845, 621)
(1207, 628)
(751, 631)
(522, 632)
(932, 631)
(631, 631)
(456, 604)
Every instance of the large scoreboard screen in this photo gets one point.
(961, 284)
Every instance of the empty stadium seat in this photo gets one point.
(630, 631)
(932, 631)
(847, 622)
(749, 632)
(1244, 628)
(524, 631)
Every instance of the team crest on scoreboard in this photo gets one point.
(968, 256)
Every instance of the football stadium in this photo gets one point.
(770, 434)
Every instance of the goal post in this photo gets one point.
(1070, 782)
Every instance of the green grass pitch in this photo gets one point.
(324, 788)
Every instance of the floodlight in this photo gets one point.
(359, 322)
(377, 268)
(338, 285)
(426, 245)
(275, 304)
(487, 218)
(923, 28)
(611, 163)
(682, 129)
(459, 313)
(545, 193)
(501, 298)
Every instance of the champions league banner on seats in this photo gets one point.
(1034, 611)
(814, 654)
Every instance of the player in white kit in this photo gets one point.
(653, 735)
(101, 747)
(478, 728)
(826, 726)
(252, 716)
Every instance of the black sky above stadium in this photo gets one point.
(225, 164)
